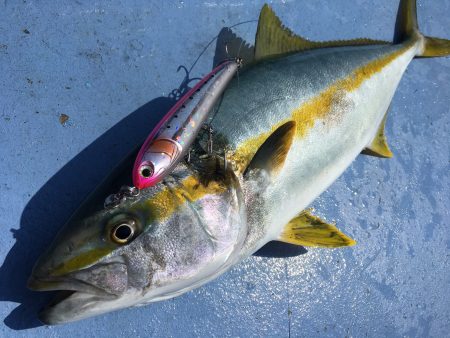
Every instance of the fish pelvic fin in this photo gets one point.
(273, 152)
(274, 39)
(407, 28)
(309, 230)
(379, 146)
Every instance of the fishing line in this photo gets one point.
(187, 80)
(216, 110)
(215, 38)
(177, 93)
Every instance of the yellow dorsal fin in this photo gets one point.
(309, 230)
(272, 38)
(379, 146)
(273, 152)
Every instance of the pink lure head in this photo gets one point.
(155, 162)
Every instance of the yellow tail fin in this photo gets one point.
(407, 28)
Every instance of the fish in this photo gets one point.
(171, 139)
(300, 113)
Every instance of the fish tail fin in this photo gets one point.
(407, 28)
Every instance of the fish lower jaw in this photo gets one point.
(73, 299)
(65, 307)
(71, 306)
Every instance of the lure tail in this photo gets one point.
(407, 28)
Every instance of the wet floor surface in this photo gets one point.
(83, 82)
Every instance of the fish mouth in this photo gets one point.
(67, 285)
(67, 304)
(74, 297)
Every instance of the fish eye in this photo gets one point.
(146, 171)
(123, 232)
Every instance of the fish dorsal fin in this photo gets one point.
(309, 230)
(273, 152)
(379, 147)
(272, 38)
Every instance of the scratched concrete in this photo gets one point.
(111, 67)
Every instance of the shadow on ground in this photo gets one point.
(53, 204)
(277, 249)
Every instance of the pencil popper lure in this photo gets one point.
(172, 137)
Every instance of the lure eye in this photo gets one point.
(146, 171)
(123, 232)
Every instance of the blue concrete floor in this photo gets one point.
(110, 68)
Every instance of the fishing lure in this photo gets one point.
(172, 137)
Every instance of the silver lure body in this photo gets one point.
(174, 137)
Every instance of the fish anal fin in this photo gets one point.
(273, 38)
(379, 146)
(309, 230)
(273, 152)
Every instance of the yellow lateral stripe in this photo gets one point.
(162, 206)
(165, 202)
(318, 107)
(81, 261)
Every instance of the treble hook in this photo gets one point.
(210, 138)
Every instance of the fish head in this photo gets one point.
(165, 241)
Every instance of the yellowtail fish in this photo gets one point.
(300, 114)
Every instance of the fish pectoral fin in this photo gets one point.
(379, 147)
(273, 38)
(271, 156)
(309, 230)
